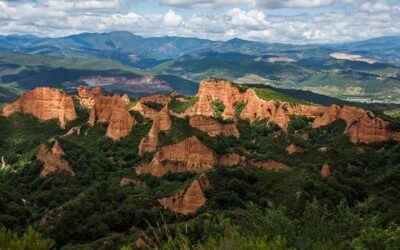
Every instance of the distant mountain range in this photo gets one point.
(139, 51)
(365, 71)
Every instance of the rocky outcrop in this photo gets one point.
(275, 111)
(325, 171)
(292, 148)
(212, 90)
(53, 161)
(362, 125)
(144, 110)
(269, 165)
(112, 110)
(44, 103)
(161, 122)
(189, 155)
(163, 99)
(74, 130)
(86, 96)
(230, 160)
(212, 127)
(188, 200)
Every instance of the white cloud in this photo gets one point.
(172, 19)
(254, 3)
(359, 20)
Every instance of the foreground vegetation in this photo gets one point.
(356, 207)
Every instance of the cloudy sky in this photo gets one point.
(294, 21)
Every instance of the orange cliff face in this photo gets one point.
(163, 99)
(188, 200)
(275, 111)
(189, 155)
(86, 96)
(211, 90)
(162, 122)
(362, 125)
(213, 127)
(53, 161)
(144, 110)
(44, 103)
(112, 110)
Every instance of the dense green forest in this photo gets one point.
(356, 207)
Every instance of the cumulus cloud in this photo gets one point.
(254, 3)
(172, 19)
(348, 20)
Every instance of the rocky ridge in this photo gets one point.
(362, 125)
(44, 103)
(112, 110)
(53, 161)
(187, 200)
(212, 127)
(162, 122)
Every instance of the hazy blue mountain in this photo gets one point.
(139, 51)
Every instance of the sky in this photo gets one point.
(284, 21)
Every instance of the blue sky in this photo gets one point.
(288, 21)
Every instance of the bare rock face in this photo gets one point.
(362, 125)
(273, 111)
(86, 96)
(161, 122)
(230, 160)
(269, 165)
(213, 127)
(186, 201)
(144, 110)
(44, 103)
(292, 148)
(112, 110)
(189, 155)
(211, 90)
(325, 170)
(53, 161)
(163, 99)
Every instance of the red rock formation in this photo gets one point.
(230, 160)
(112, 110)
(273, 111)
(161, 122)
(86, 96)
(186, 201)
(163, 99)
(211, 90)
(144, 110)
(44, 103)
(325, 170)
(362, 125)
(269, 165)
(292, 148)
(212, 127)
(189, 155)
(53, 161)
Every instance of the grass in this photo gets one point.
(219, 108)
(179, 107)
(268, 94)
